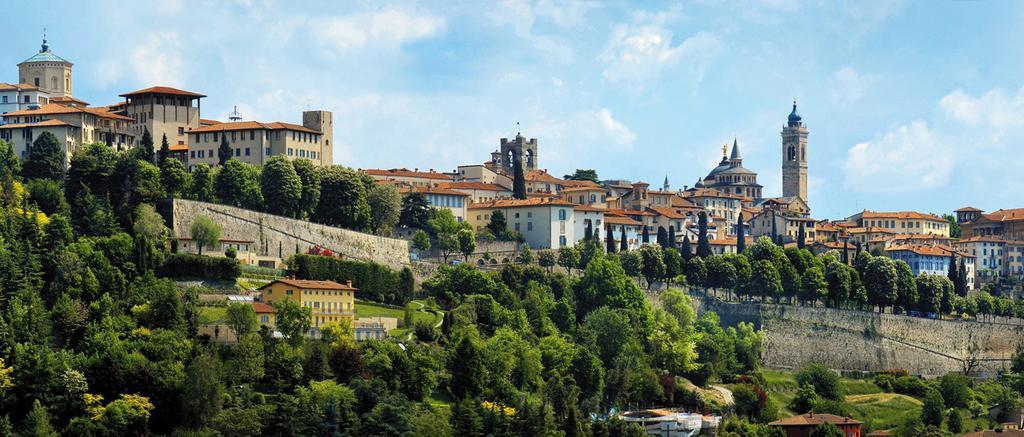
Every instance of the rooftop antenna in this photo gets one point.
(235, 116)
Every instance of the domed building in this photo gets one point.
(731, 177)
(48, 72)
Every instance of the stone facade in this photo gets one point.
(794, 157)
(282, 237)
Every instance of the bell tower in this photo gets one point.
(794, 156)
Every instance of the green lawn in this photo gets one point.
(370, 309)
(209, 315)
(883, 410)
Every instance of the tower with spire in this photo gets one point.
(47, 71)
(794, 156)
(731, 177)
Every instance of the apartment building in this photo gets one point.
(544, 222)
(902, 222)
(73, 126)
(255, 142)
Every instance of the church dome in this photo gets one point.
(722, 166)
(45, 55)
(794, 117)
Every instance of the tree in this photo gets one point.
(824, 380)
(930, 292)
(91, 167)
(672, 237)
(954, 227)
(467, 242)
(687, 250)
(292, 320)
(385, 208)
(673, 264)
(238, 184)
(764, 278)
(547, 259)
(146, 148)
(467, 366)
(583, 175)
(446, 228)
(46, 159)
(343, 199)
(703, 246)
(281, 187)
(837, 275)
(934, 409)
(804, 400)
(498, 226)
(955, 422)
(801, 237)
(741, 239)
(48, 195)
(205, 232)
(827, 430)
(165, 151)
(37, 423)
(662, 237)
(309, 176)
(609, 240)
(653, 263)
(645, 237)
(224, 152)
(250, 358)
(813, 285)
(961, 286)
(241, 318)
(624, 242)
(406, 284)
(173, 177)
(518, 178)
(415, 211)
(10, 165)
(203, 391)
(421, 240)
(568, 257)
(906, 288)
(148, 223)
(525, 255)
(881, 281)
(201, 186)
(632, 263)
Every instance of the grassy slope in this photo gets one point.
(369, 309)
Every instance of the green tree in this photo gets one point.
(92, 216)
(415, 211)
(406, 284)
(92, 167)
(609, 240)
(827, 430)
(653, 263)
(446, 228)
(238, 184)
(764, 278)
(837, 275)
(241, 318)
(703, 246)
(146, 148)
(37, 423)
(632, 263)
(687, 249)
(525, 255)
(224, 152)
(547, 259)
(906, 288)
(955, 422)
(342, 199)
(467, 367)
(741, 232)
(201, 184)
(824, 380)
(568, 257)
(281, 187)
(48, 196)
(203, 391)
(583, 175)
(385, 208)
(813, 285)
(205, 233)
(309, 176)
(954, 227)
(173, 177)
(955, 389)
(293, 321)
(46, 159)
(518, 178)
(934, 409)
(421, 240)
(10, 165)
(498, 225)
(467, 242)
(930, 292)
(804, 400)
(249, 358)
(148, 223)
(673, 264)
(165, 151)
(678, 304)
(881, 281)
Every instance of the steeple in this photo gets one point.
(45, 48)
(736, 158)
(794, 117)
(665, 185)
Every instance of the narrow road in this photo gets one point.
(726, 394)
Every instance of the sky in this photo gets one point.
(915, 105)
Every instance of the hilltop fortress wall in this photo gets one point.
(867, 341)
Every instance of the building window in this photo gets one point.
(529, 226)
(238, 152)
(246, 151)
(290, 151)
(252, 135)
(181, 131)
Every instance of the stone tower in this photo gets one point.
(794, 157)
(322, 121)
(49, 72)
(517, 147)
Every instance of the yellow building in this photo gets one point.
(72, 124)
(254, 142)
(329, 301)
(903, 222)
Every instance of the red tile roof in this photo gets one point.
(251, 125)
(309, 284)
(208, 121)
(68, 100)
(1006, 215)
(901, 215)
(17, 86)
(588, 208)
(178, 147)
(541, 176)
(968, 209)
(406, 173)
(667, 212)
(54, 109)
(262, 308)
(44, 123)
(619, 220)
(578, 184)
(431, 190)
(163, 90)
(472, 186)
(519, 203)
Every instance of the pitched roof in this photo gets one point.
(520, 203)
(976, 238)
(54, 109)
(305, 283)
(579, 183)
(968, 209)
(464, 185)
(17, 87)
(178, 147)
(620, 220)
(582, 188)
(431, 190)
(869, 229)
(163, 90)
(588, 208)
(730, 241)
(541, 176)
(667, 212)
(61, 99)
(902, 215)
(1006, 215)
(250, 125)
(262, 308)
(44, 123)
(406, 173)
(814, 419)
(710, 192)
(208, 121)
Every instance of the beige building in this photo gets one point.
(585, 195)
(777, 226)
(902, 222)
(255, 142)
(478, 191)
(73, 126)
(483, 174)
(48, 72)
(544, 222)
(163, 111)
(541, 182)
(723, 205)
(453, 200)
(415, 177)
(329, 301)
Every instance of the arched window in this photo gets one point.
(792, 153)
(529, 158)
(53, 82)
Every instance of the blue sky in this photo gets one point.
(910, 105)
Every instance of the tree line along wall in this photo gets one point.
(280, 236)
(868, 341)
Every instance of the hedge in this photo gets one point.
(374, 281)
(185, 265)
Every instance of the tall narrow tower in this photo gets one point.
(794, 157)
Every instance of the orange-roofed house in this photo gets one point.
(804, 424)
(255, 142)
(413, 177)
(902, 222)
(479, 191)
(590, 195)
(930, 259)
(453, 200)
(73, 126)
(544, 222)
(329, 301)
(622, 226)
(1005, 223)
(540, 181)
(993, 256)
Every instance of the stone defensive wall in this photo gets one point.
(273, 235)
(868, 341)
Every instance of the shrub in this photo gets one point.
(185, 265)
(824, 380)
(374, 281)
(911, 386)
(885, 381)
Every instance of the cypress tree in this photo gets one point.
(646, 238)
(624, 243)
(801, 237)
(147, 144)
(962, 291)
(518, 178)
(687, 249)
(165, 150)
(953, 272)
(588, 233)
(224, 151)
(703, 246)
(846, 251)
(662, 238)
(741, 241)
(610, 241)
(672, 236)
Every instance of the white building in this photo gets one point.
(544, 222)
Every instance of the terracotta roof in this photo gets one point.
(730, 241)
(406, 173)
(814, 419)
(178, 147)
(1006, 215)
(680, 202)
(582, 188)
(834, 244)
(517, 203)
(976, 238)
(968, 209)
(305, 283)
(54, 109)
(208, 121)
(710, 192)
(619, 220)
(44, 123)
(163, 90)
(588, 208)
(577, 184)
(931, 250)
(472, 186)
(431, 190)
(262, 308)
(667, 212)
(541, 176)
(250, 125)
(869, 229)
(902, 215)
(68, 100)
(17, 86)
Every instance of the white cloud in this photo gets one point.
(849, 85)
(580, 138)
(911, 157)
(520, 16)
(995, 108)
(614, 129)
(158, 61)
(388, 28)
(641, 51)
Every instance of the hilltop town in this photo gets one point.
(166, 273)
